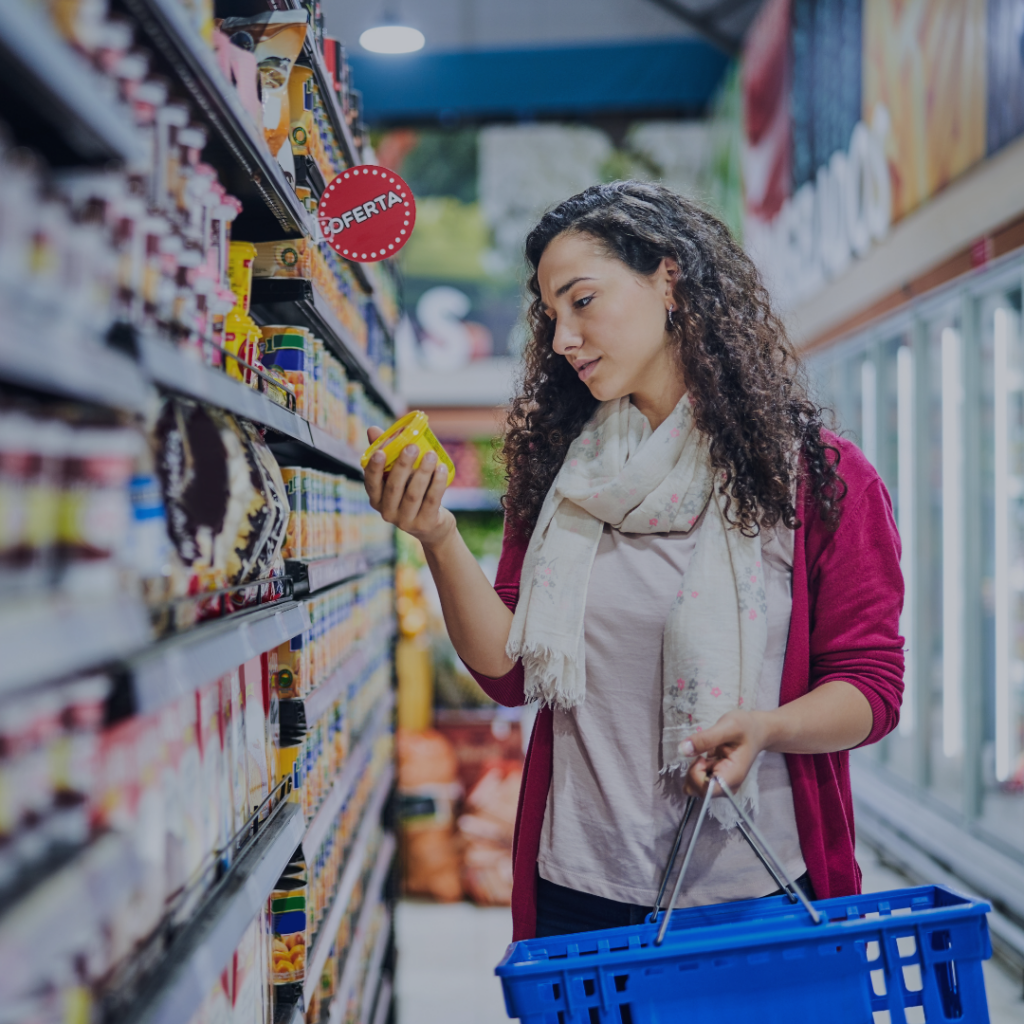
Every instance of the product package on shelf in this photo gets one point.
(329, 515)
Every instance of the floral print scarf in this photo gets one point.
(618, 471)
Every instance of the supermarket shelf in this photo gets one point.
(57, 917)
(471, 499)
(353, 866)
(323, 80)
(53, 84)
(371, 980)
(345, 782)
(335, 448)
(277, 300)
(200, 953)
(321, 699)
(315, 574)
(87, 372)
(383, 1002)
(182, 664)
(53, 636)
(167, 25)
(175, 369)
(354, 957)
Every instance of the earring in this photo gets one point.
(671, 324)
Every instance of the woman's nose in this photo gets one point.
(565, 340)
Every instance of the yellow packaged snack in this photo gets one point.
(413, 429)
(241, 257)
(300, 102)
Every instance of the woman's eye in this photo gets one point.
(585, 301)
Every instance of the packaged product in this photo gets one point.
(236, 756)
(248, 970)
(239, 67)
(276, 39)
(290, 935)
(241, 257)
(257, 771)
(214, 824)
(412, 429)
(300, 99)
(290, 258)
(289, 350)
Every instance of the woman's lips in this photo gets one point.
(585, 370)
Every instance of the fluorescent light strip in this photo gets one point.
(905, 514)
(952, 546)
(869, 411)
(1005, 720)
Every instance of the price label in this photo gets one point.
(367, 213)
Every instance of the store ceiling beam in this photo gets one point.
(676, 78)
(706, 22)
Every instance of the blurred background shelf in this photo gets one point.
(311, 575)
(52, 918)
(198, 955)
(48, 637)
(236, 144)
(90, 372)
(48, 83)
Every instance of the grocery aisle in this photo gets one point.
(197, 606)
(446, 958)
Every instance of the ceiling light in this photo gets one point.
(392, 39)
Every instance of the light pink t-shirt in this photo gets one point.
(611, 818)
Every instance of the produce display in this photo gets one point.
(195, 738)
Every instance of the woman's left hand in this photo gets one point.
(727, 749)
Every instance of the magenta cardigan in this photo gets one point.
(847, 598)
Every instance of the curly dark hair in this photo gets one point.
(743, 375)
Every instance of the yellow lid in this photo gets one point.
(412, 429)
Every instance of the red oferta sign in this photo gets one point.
(367, 213)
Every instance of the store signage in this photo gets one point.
(830, 221)
(366, 213)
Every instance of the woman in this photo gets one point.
(696, 575)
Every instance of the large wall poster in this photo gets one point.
(886, 102)
(924, 61)
(1005, 72)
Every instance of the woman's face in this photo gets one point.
(609, 320)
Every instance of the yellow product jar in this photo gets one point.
(413, 429)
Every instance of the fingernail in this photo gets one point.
(686, 749)
(441, 470)
(377, 457)
(429, 459)
(411, 451)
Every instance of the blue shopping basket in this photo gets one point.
(908, 956)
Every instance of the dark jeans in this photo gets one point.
(565, 911)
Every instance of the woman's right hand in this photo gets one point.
(408, 498)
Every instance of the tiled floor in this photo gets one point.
(447, 953)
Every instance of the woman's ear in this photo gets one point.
(668, 272)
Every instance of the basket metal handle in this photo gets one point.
(750, 832)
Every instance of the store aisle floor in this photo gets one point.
(447, 953)
(446, 958)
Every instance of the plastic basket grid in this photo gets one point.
(908, 956)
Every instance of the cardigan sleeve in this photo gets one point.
(856, 592)
(508, 689)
